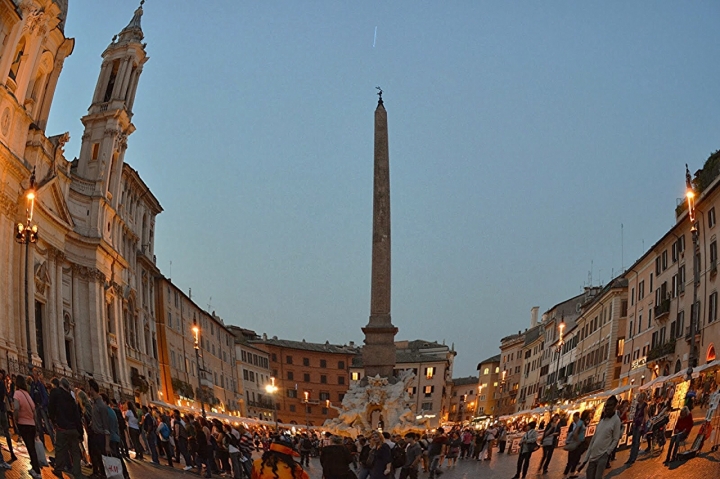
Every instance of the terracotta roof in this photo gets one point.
(303, 345)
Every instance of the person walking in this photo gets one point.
(380, 457)
(163, 433)
(436, 452)
(413, 456)
(502, 439)
(114, 435)
(549, 442)
(24, 409)
(122, 427)
(65, 415)
(181, 440)
(99, 440)
(639, 422)
(277, 462)
(490, 436)
(149, 426)
(133, 425)
(606, 437)
(305, 448)
(335, 459)
(575, 443)
(40, 396)
(4, 422)
(363, 455)
(528, 445)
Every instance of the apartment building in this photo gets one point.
(661, 288)
(532, 352)
(599, 343)
(511, 362)
(463, 399)
(253, 371)
(187, 376)
(310, 378)
(488, 384)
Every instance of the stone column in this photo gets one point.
(126, 80)
(50, 327)
(102, 79)
(60, 317)
(133, 88)
(120, 78)
(80, 329)
(10, 46)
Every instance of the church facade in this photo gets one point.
(91, 274)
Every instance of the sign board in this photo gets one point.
(639, 363)
(590, 432)
(562, 438)
(515, 446)
(713, 405)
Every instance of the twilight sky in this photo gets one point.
(522, 135)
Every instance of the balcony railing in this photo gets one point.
(662, 310)
(662, 350)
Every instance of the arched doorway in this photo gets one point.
(678, 366)
(710, 354)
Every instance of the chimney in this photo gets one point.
(534, 316)
(264, 336)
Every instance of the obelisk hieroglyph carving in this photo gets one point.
(379, 351)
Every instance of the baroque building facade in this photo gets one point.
(90, 275)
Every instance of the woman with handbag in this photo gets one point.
(575, 444)
(549, 441)
(25, 420)
(528, 445)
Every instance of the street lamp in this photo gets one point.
(272, 389)
(307, 421)
(196, 334)
(28, 233)
(561, 328)
(690, 194)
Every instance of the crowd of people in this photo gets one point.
(84, 424)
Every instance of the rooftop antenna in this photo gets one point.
(210, 304)
(170, 272)
(190, 292)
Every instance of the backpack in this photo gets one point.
(182, 428)
(190, 430)
(306, 444)
(398, 456)
(164, 431)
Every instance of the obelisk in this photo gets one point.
(378, 354)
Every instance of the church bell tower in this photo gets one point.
(109, 119)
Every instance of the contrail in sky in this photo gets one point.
(375, 37)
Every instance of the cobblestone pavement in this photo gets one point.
(502, 466)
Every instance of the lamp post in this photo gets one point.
(307, 421)
(196, 334)
(561, 328)
(690, 194)
(477, 405)
(272, 389)
(28, 233)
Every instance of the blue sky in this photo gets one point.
(522, 135)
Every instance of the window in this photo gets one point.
(274, 358)
(306, 377)
(429, 372)
(324, 396)
(292, 408)
(290, 376)
(288, 359)
(323, 363)
(713, 257)
(291, 392)
(486, 371)
(323, 379)
(306, 361)
(680, 324)
(341, 379)
(674, 253)
(341, 396)
(658, 266)
(341, 364)
(712, 307)
(497, 369)
(711, 217)
(631, 331)
(641, 290)
(325, 410)
(428, 391)
(632, 297)
(355, 376)
(681, 244)
(681, 279)
(426, 406)
(664, 260)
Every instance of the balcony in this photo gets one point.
(661, 351)
(662, 310)
(206, 379)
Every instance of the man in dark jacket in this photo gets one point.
(5, 398)
(65, 414)
(335, 459)
(40, 397)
